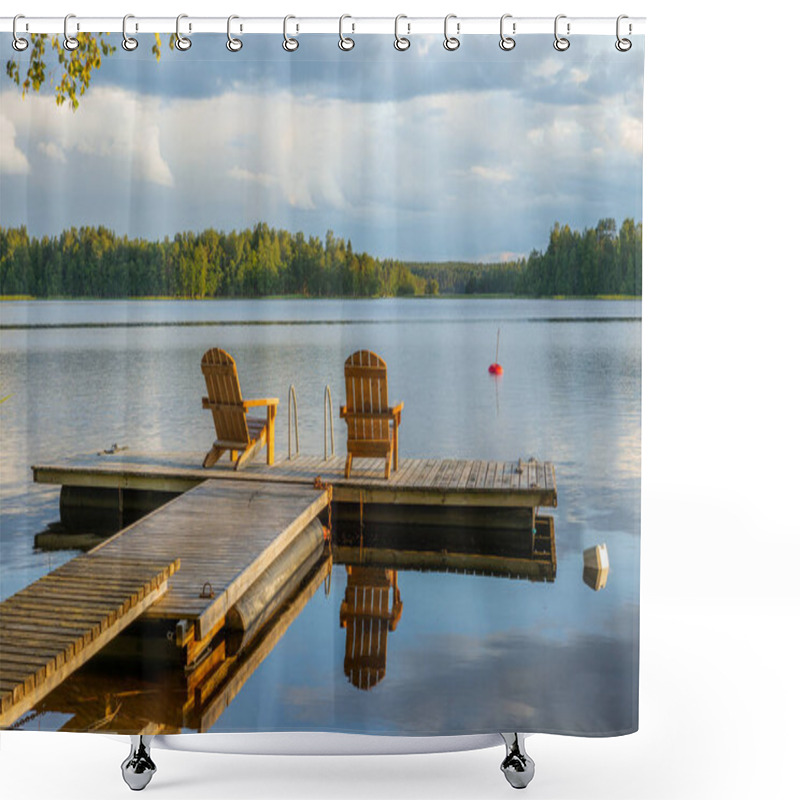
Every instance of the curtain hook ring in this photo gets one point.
(400, 42)
(19, 43)
(623, 45)
(345, 42)
(289, 44)
(561, 43)
(233, 44)
(129, 43)
(451, 42)
(182, 42)
(70, 42)
(507, 42)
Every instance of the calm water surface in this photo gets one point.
(470, 653)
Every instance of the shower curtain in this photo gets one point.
(468, 215)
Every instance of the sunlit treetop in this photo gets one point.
(30, 69)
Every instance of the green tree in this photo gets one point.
(73, 72)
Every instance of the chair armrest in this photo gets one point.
(387, 415)
(343, 412)
(264, 401)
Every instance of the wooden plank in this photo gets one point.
(36, 659)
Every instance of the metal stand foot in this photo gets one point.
(138, 768)
(517, 766)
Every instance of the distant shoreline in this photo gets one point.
(453, 296)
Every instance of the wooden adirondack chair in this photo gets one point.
(371, 423)
(236, 431)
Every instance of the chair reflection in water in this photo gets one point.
(370, 609)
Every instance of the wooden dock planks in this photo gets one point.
(225, 534)
(459, 482)
(53, 626)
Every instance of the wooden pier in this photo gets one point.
(222, 534)
(56, 624)
(419, 481)
(225, 530)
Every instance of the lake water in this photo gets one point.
(470, 653)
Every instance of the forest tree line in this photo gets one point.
(262, 261)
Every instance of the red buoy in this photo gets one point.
(496, 369)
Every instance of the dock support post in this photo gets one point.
(138, 768)
(517, 766)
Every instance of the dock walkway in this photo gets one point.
(225, 534)
(420, 481)
(52, 627)
(212, 542)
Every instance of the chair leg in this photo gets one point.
(212, 456)
(517, 766)
(348, 465)
(271, 435)
(247, 454)
(388, 468)
(138, 768)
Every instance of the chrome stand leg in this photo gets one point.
(518, 766)
(138, 768)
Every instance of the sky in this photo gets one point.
(419, 155)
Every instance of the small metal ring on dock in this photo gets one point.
(70, 42)
(19, 43)
(401, 43)
(507, 42)
(233, 44)
(182, 42)
(561, 43)
(345, 42)
(451, 43)
(129, 43)
(207, 591)
(289, 44)
(623, 45)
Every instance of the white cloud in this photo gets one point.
(578, 76)
(241, 174)
(630, 130)
(52, 150)
(12, 160)
(547, 68)
(117, 128)
(493, 174)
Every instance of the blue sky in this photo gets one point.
(424, 154)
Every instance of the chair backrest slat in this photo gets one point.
(224, 391)
(365, 392)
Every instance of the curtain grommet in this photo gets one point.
(623, 45)
(70, 42)
(233, 44)
(20, 44)
(451, 43)
(345, 42)
(129, 43)
(561, 43)
(401, 43)
(183, 43)
(289, 44)
(507, 43)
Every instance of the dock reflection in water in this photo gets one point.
(117, 693)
